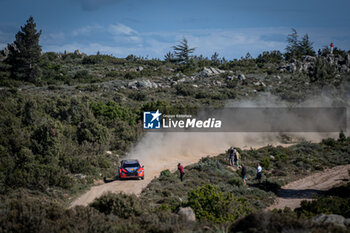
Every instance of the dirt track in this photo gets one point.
(153, 166)
(307, 188)
(152, 170)
(155, 160)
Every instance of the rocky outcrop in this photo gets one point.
(308, 58)
(335, 219)
(143, 84)
(187, 213)
(241, 77)
(307, 63)
(211, 71)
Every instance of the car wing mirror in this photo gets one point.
(143, 166)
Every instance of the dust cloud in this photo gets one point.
(163, 150)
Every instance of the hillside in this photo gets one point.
(68, 119)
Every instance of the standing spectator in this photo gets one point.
(182, 171)
(332, 47)
(236, 157)
(244, 173)
(231, 155)
(259, 173)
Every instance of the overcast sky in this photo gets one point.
(150, 27)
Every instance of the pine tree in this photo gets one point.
(25, 52)
(215, 59)
(183, 51)
(306, 46)
(297, 48)
(292, 48)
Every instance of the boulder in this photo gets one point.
(306, 67)
(335, 219)
(132, 84)
(344, 69)
(187, 213)
(241, 77)
(347, 60)
(77, 52)
(206, 72)
(140, 68)
(181, 80)
(80, 176)
(142, 84)
(230, 78)
(147, 84)
(330, 58)
(292, 67)
(308, 58)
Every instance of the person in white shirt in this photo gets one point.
(259, 173)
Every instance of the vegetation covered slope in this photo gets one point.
(211, 188)
(67, 118)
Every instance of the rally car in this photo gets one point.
(131, 168)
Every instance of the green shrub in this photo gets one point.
(184, 89)
(121, 205)
(210, 204)
(92, 131)
(236, 181)
(329, 142)
(208, 163)
(113, 111)
(325, 205)
(131, 75)
(265, 163)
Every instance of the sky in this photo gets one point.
(150, 28)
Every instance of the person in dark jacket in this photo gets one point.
(182, 171)
(231, 156)
(244, 173)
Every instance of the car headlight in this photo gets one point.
(139, 171)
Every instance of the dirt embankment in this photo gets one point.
(310, 187)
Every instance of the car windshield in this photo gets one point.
(131, 165)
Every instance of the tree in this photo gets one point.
(306, 46)
(25, 52)
(248, 56)
(215, 58)
(183, 51)
(297, 48)
(169, 57)
(292, 47)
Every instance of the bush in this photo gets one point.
(265, 163)
(236, 181)
(210, 204)
(267, 222)
(121, 205)
(113, 111)
(131, 75)
(208, 163)
(323, 72)
(326, 205)
(184, 89)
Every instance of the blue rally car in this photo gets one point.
(131, 168)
